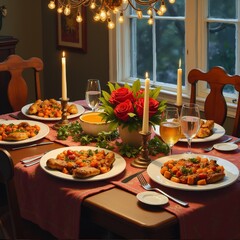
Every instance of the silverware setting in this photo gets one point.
(148, 187)
(14, 116)
(32, 160)
(210, 148)
(32, 145)
(127, 179)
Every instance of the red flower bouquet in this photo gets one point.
(124, 106)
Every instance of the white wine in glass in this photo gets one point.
(93, 93)
(170, 128)
(190, 122)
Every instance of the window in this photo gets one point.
(202, 33)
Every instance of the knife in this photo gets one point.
(127, 179)
(32, 145)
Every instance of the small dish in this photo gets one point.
(152, 198)
(225, 146)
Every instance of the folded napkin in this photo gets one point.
(53, 203)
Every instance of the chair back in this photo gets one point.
(215, 107)
(17, 90)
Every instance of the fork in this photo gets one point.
(208, 149)
(148, 187)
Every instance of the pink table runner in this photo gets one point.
(211, 214)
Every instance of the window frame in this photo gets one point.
(196, 42)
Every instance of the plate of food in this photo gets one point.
(83, 163)
(50, 110)
(193, 172)
(209, 131)
(14, 132)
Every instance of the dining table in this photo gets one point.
(108, 207)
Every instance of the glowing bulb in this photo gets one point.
(159, 12)
(121, 19)
(60, 9)
(125, 1)
(163, 8)
(150, 21)
(111, 24)
(149, 11)
(103, 15)
(79, 18)
(115, 10)
(139, 14)
(172, 1)
(67, 10)
(51, 5)
(96, 17)
(93, 5)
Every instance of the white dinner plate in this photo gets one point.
(152, 198)
(218, 131)
(225, 146)
(118, 166)
(231, 173)
(44, 130)
(24, 111)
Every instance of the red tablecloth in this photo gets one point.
(51, 202)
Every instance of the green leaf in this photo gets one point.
(106, 95)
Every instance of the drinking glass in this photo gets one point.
(93, 93)
(170, 127)
(190, 122)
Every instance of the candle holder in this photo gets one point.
(64, 121)
(144, 160)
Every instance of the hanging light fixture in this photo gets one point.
(103, 9)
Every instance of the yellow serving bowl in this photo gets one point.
(92, 123)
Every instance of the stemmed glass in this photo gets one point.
(93, 93)
(190, 122)
(170, 128)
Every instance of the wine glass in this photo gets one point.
(170, 127)
(190, 122)
(93, 93)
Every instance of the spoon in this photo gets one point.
(208, 149)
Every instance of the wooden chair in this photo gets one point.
(17, 90)
(215, 106)
(12, 226)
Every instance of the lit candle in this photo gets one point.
(145, 123)
(179, 85)
(64, 80)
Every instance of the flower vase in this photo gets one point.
(133, 138)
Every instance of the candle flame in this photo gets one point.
(180, 63)
(63, 54)
(146, 75)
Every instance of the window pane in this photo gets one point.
(141, 48)
(221, 48)
(222, 8)
(170, 41)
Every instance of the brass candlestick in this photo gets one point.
(144, 160)
(64, 121)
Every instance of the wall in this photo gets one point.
(80, 66)
(34, 24)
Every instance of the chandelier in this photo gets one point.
(104, 9)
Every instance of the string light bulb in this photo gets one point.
(67, 10)
(51, 4)
(79, 17)
(121, 19)
(104, 9)
(60, 9)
